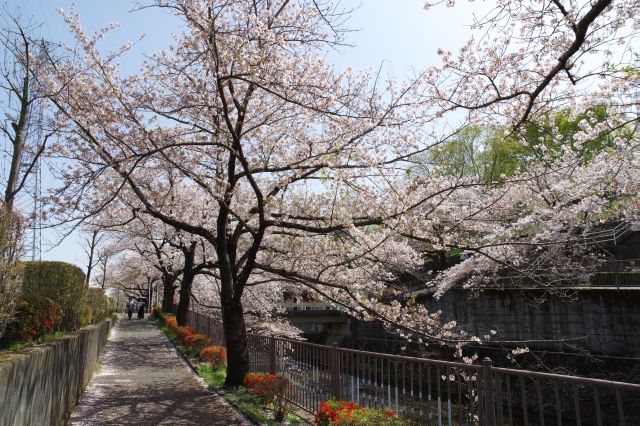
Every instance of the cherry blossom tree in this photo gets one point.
(173, 255)
(294, 174)
(134, 275)
(527, 58)
(177, 256)
(560, 78)
(193, 255)
(261, 129)
(170, 271)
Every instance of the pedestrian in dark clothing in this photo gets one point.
(131, 306)
(141, 305)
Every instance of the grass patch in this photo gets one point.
(213, 378)
(247, 406)
(16, 346)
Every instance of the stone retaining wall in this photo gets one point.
(41, 385)
(604, 322)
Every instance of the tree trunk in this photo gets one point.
(20, 129)
(150, 282)
(92, 248)
(168, 292)
(188, 274)
(235, 337)
(185, 298)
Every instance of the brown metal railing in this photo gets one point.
(434, 392)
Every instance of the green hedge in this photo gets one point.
(100, 305)
(86, 316)
(61, 282)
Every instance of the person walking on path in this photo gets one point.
(131, 306)
(141, 306)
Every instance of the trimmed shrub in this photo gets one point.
(347, 413)
(86, 317)
(183, 332)
(197, 342)
(35, 317)
(268, 389)
(372, 418)
(61, 282)
(172, 323)
(99, 303)
(216, 356)
(251, 379)
(330, 412)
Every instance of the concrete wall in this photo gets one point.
(41, 385)
(605, 322)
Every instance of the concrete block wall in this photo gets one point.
(605, 322)
(41, 385)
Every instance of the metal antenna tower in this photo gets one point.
(29, 200)
(36, 224)
(32, 201)
(34, 183)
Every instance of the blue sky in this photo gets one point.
(398, 33)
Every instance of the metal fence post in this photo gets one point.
(489, 404)
(335, 372)
(272, 355)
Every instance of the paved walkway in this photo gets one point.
(143, 381)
